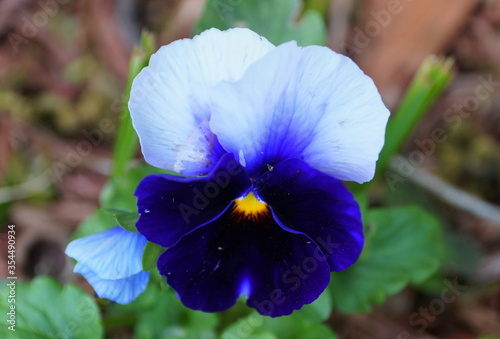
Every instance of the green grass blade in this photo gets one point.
(126, 138)
(428, 83)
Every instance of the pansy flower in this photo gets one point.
(111, 261)
(263, 135)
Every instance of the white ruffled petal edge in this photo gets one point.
(309, 103)
(169, 100)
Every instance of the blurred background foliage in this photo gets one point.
(63, 75)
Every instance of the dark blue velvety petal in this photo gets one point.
(308, 201)
(236, 254)
(171, 206)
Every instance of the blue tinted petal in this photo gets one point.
(280, 271)
(308, 103)
(171, 206)
(111, 254)
(169, 99)
(308, 201)
(122, 291)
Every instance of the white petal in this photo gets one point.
(169, 101)
(111, 254)
(122, 291)
(307, 103)
(352, 127)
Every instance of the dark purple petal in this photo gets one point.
(235, 254)
(308, 201)
(171, 206)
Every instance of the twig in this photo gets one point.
(450, 194)
(48, 178)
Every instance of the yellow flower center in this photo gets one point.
(250, 206)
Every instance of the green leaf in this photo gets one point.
(319, 310)
(288, 327)
(403, 245)
(98, 221)
(44, 309)
(277, 20)
(161, 315)
(118, 193)
(263, 335)
(126, 219)
(151, 253)
(320, 6)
